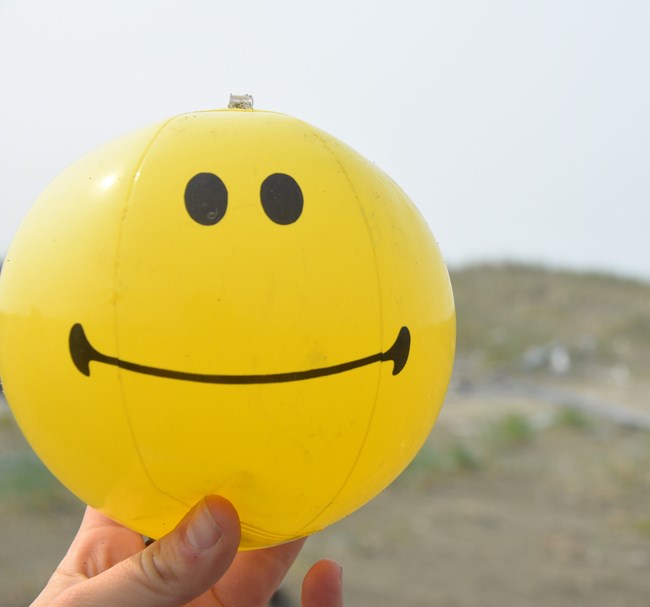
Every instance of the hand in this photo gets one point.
(196, 565)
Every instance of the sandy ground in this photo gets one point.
(556, 517)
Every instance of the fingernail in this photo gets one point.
(202, 532)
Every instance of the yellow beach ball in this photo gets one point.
(229, 302)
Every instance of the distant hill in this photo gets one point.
(520, 317)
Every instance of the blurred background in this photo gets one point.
(521, 131)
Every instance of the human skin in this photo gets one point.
(196, 565)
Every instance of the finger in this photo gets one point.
(267, 567)
(178, 568)
(323, 585)
(99, 544)
(94, 519)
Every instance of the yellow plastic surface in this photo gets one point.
(177, 315)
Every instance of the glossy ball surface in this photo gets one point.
(229, 302)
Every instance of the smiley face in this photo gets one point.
(228, 302)
(206, 202)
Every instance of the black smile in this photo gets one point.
(83, 354)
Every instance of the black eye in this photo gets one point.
(281, 198)
(206, 198)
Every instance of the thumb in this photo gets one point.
(174, 570)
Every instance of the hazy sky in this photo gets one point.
(520, 128)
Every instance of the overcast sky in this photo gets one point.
(520, 128)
